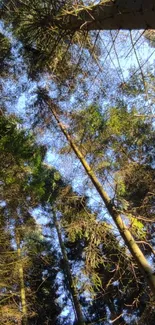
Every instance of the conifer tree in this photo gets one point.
(20, 159)
(70, 16)
(100, 134)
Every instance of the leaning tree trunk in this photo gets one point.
(108, 15)
(111, 14)
(21, 281)
(134, 249)
(72, 289)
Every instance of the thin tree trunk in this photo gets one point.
(72, 289)
(134, 249)
(111, 14)
(21, 280)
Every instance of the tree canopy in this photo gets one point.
(77, 162)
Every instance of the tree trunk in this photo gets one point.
(21, 281)
(111, 14)
(72, 289)
(134, 249)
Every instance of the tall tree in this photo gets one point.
(52, 199)
(119, 145)
(21, 279)
(75, 15)
(110, 204)
(139, 257)
(67, 271)
(20, 160)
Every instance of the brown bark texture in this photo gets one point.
(111, 15)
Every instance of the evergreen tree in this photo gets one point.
(114, 148)
(70, 16)
(23, 250)
(5, 54)
(43, 100)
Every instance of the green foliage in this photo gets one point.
(150, 36)
(87, 121)
(32, 24)
(138, 228)
(21, 161)
(5, 54)
(121, 190)
(46, 46)
(96, 281)
(139, 183)
(119, 146)
(138, 91)
(120, 122)
(18, 141)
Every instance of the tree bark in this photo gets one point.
(111, 14)
(134, 249)
(21, 281)
(72, 289)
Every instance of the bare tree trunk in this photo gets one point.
(72, 289)
(134, 249)
(111, 14)
(21, 280)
